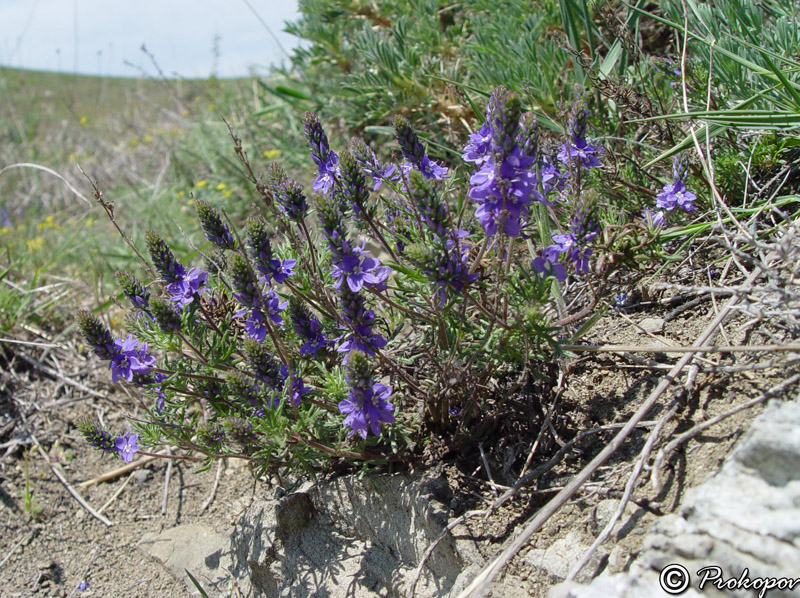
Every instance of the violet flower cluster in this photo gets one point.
(134, 290)
(327, 160)
(259, 306)
(126, 358)
(369, 163)
(414, 152)
(307, 327)
(577, 149)
(182, 286)
(445, 260)
(508, 178)
(366, 405)
(574, 245)
(126, 444)
(288, 193)
(673, 195)
(213, 227)
(352, 269)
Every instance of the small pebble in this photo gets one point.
(140, 476)
(651, 325)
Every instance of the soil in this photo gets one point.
(55, 544)
(50, 544)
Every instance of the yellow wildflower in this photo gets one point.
(34, 244)
(269, 154)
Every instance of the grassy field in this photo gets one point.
(150, 145)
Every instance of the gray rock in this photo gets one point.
(349, 537)
(562, 555)
(747, 516)
(651, 325)
(194, 547)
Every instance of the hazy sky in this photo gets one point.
(44, 34)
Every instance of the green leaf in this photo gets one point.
(196, 584)
(587, 325)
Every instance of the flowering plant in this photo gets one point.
(286, 350)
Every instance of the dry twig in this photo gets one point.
(56, 469)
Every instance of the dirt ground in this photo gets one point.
(50, 544)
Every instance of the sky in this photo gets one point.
(98, 37)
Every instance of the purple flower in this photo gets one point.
(551, 178)
(327, 172)
(359, 272)
(269, 266)
(504, 193)
(479, 145)
(366, 406)
(269, 306)
(97, 335)
(255, 327)
(134, 290)
(428, 168)
(274, 306)
(291, 199)
(546, 267)
(326, 160)
(583, 229)
(282, 269)
(577, 147)
(414, 152)
(654, 219)
(183, 290)
(163, 259)
(298, 390)
(360, 320)
(675, 195)
(369, 163)
(130, 359)
(312, 128)
(307, 327)
(83, 586)
(127, 446)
